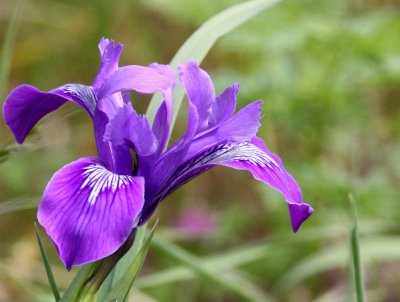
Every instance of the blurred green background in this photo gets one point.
(329, 74)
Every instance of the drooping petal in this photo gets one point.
(89, 211)
(109, 54)
(26, 105)
(224, 106)
(199, 90)
(138, 78)
(268, 168)
(252, 156)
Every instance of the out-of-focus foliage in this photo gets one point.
(329, 73)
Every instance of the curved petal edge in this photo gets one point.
(88, 211)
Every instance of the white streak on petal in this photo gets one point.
(99, 179)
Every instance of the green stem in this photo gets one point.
(355, 251)
(105, 267)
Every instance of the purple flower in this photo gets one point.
(90, 206)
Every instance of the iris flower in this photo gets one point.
(90, 206)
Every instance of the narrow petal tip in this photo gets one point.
(299, 212)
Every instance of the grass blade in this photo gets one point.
(248, 292)
(200, 42)
(47, 266)
(226, 261)
(355, 253)
(8, 46)
(14, 205)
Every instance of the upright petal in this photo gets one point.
(139, 78)
(26, 105)
(117, 158)
(127, 127)
(111, 104)
(242, 126)
(252, 156)
(224, 106)
(162, 120)
(110, 54)
(200, 91)
(89, 211)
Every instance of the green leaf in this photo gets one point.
(123, 264)
(122, 287)
(228, 281)
(47, 266)
(8, 47)
(129, 257)
(78, 283)
(200, 42)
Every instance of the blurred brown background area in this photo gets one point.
(329, 75)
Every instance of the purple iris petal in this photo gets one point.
(224, 105)
(116, 158)
(89, 211)
(200, 91)
(267, 167)
(128, 127)
(263, 165)
(139, 78)
(109, 61)
(162, 121)
(242, 126)
(26, 105)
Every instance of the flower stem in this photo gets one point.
(105, 267)
(355, 251)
